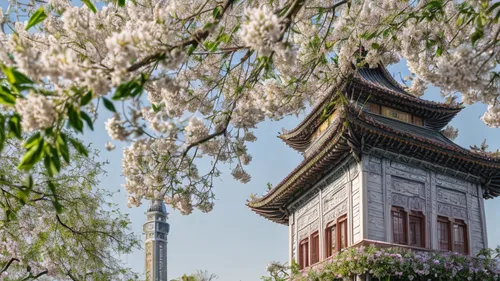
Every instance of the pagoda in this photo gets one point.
(378, 170)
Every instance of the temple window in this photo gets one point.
(459, 237)
(398, 226)
(315, 247)
(416, 227)
(444, 234)
(452, 235)
(394, 114)
(304, 253)
(336, 236)
(408, 228)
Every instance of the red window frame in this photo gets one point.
(304, 253)
(315, 247)
(416, 236)
(456, 233)
(340, 227)
(459, 241)
(444, 234)
(399, 226)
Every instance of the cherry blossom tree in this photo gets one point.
(192, 79)
(40, 239)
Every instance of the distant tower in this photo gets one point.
(156, 229)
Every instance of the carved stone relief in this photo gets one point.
(304, 233)
(408, 169)
(338, 211)
(406, 175)
(309, 217)
(417, 204)
(399, 200)
(451, 211)
(407, 187)
(450, 185)
(453, 180)
(301, 205)
(374, 159)
(333, 199)
(473, 190)
(374, 168)
(451, 197)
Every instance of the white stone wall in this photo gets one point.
(366, 192)
(390, 183)
(336, 195)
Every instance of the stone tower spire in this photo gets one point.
(156, 230)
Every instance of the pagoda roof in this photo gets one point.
(366, 132)
(372, 84)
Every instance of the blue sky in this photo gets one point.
(232, 241)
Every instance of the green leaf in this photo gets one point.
(478, 34)
(86, 98)
(439, 51)
(62, 146)
(22, 197)
(79, 147)
(36, 18)
(57, 206)
(192, 48)
(108, 104)
(121, 3)
(28, 182)
(493, 7)
(87, 119)
(90, 5)
(74, 118)
(6, 96)
(375, 46)
(33, 156)
(18, 80)
(32, 140)
(216, 12)
(14, 124)
(51, 162)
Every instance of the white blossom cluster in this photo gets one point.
(214, 70)
(261, 30)
(37, 112)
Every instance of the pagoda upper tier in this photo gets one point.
(367, 85)
(380, 118)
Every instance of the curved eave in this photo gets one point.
(306, 174)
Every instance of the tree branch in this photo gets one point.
(198, 36)
(8, 265)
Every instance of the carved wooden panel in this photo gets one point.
(406, 174)
(406, 187)
(448, 210)
(308, 217)
(451, 197)
(304, 233)
(338, 211)
(416, 204)
(399, 200)
(408, 169)
(331, 200)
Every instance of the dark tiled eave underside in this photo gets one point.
(375, 84)
(367, 130)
